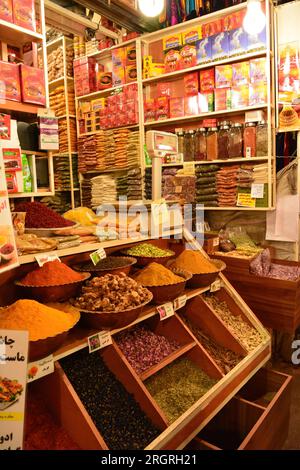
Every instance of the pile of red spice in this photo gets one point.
(41, 431)
(40, 216)
(53, 273)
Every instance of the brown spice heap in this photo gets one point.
(194, 262)
(156, 274)
(246, 334)
(51, 274)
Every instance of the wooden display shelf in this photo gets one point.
(59, 81)
(36, 194)
(95, 94)
(14, 34)
(132, 126)
(18, 107)
(214, 162)
(36, 153)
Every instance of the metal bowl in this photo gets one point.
(167, 293)
(50, 232)
(46, 294)
(206, 279)
(102, 272)
(111, 320)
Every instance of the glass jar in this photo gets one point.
(212, 143)
(223, 142)
(200, 144)
(262, 139)
(250, 140)
(189, 146)
(235, 144)
(180, 136)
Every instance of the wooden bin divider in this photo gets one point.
(68, 410)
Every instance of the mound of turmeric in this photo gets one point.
(194, 262)
(156, 274)
(40, 321)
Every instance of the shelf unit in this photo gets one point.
(14, 35)
(67, 82)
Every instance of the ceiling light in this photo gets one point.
(255, 19)
(151, 8)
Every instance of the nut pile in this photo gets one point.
(111, 293)
(224, 358)
(178, 386)
(246, 334)
(143, 348)
(119, 418)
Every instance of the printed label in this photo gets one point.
(215, 286)
(257, 191)
(98, 256)
(43, 259)
(99, 341)
(36, 370)
(180, 302)
(165, 311)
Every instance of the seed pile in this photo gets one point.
(148, 250)
(178, 386)
(225, 358)
(111, 262)
(143, 348)
(116, 414)
(246, 334)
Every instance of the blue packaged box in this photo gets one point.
(257, 41)
(204, 50)
(220, 45)
(238, 42)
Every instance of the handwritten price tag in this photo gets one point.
(165, 311)
(99, 341)
(36, 370)
(216, 285)
(180, 302)
(98, 256)
(43, 259)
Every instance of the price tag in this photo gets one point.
(215, 286)
(98, 256)
(178, 189)
(189, 168)
(99, 341)
(216, 241)
(245, 200)
(257, 191)
(38, 369)
(180, 302)
(165, 311)
(43, 259)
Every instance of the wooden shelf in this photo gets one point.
(59, 81)
(95, 94)
(236, 208)
(213, 162)
(37, 194)
(66, 116)
(12, 33)
(36, 153)
(105, 52)
(20, 107)
(61, 155)
(133, 126)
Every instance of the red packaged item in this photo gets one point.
(130, 92)
(4, 126)
(104, 80)
(172, 61)
(162, 108)
(214, 27)
(24, 14)
(164, 89)
(12, 159)
(207, 80)
(9, 82)
(131, 73)
(176, 107)
(6, 12)
(11, 182)
(191, 105)
(191, 85)
(33, 85)
(149, 110)
(84, 76)
(234, 21)
(188, 56)
(222, 99)
(131, 55)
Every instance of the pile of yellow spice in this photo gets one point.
(156, 274)
(194, 262)
(39, 320)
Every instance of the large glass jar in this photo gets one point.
(235, 144)
(223, 142)
(250, 140)
(212, 143)
(189, 146)
(180, 135)
(262, 139)
(200, 144)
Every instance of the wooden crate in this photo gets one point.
(250, 421)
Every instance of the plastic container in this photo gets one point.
(235, 143)
(189, 146)
(223, 142)
(212, 143)
(250, 140)
(262, 139)
(200, 144)
(180, 136)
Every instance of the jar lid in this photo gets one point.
(202, 129)
(224, 127)
(213, 129)
(237, 124)
(180, 133)
(250, 124)
(191, 131)
(262, 123)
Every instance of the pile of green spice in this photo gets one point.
(224, 358)
(118, 417)
(148, 251)
(178, 386)
(248, 336)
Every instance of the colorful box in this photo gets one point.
(119, 57)
(240, 96)
(240, 73)
(32, 85)
(191, 105)
(155, 70)
(220, 45)
(204, 50)
(24, 14)
(258, 70)
(11, 182)
(207, 80)
(257, 41)
(84, 76)
(131, 55)
(223, 77)
(130, 92)
(103, 80)
(5, 126)
(12, 159)
(188, 56)
(176, 107)
(9, 82)
(172, 42)
(238, 42)
(222, 99)
(149, 110)
(206, 102)
(234, 20)
(131, 73)
(214, 27)
(147, 61)
(191, 84)
(258, 93)
(192, 35)
(6, 12)
(162, 108)
(118, 76)
(172, 61)
(164, 89)
(98, 105)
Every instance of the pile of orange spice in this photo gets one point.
(194, 262)
(52, 273)
(156, 274)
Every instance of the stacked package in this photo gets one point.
(58, 101)
(135, 187)
(206, 192)
(104, 190)
(122, 185)
(101, 149)
(87, 154)
(120, 138)
(55, 63)
(260, 173)
(245, 176)
(133, 149)
(59, 203)
(227, 185)
(176, 187)
(86, 192)
(63, 136)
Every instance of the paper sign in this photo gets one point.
(13, 378)
(99, 341)
(38, 369)
(215, 286)
(189, 168)
(245, 200)
(98, 256)
(180, 302)
(165, 311)
(178, 189)
(43, 259)
(257, 191)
